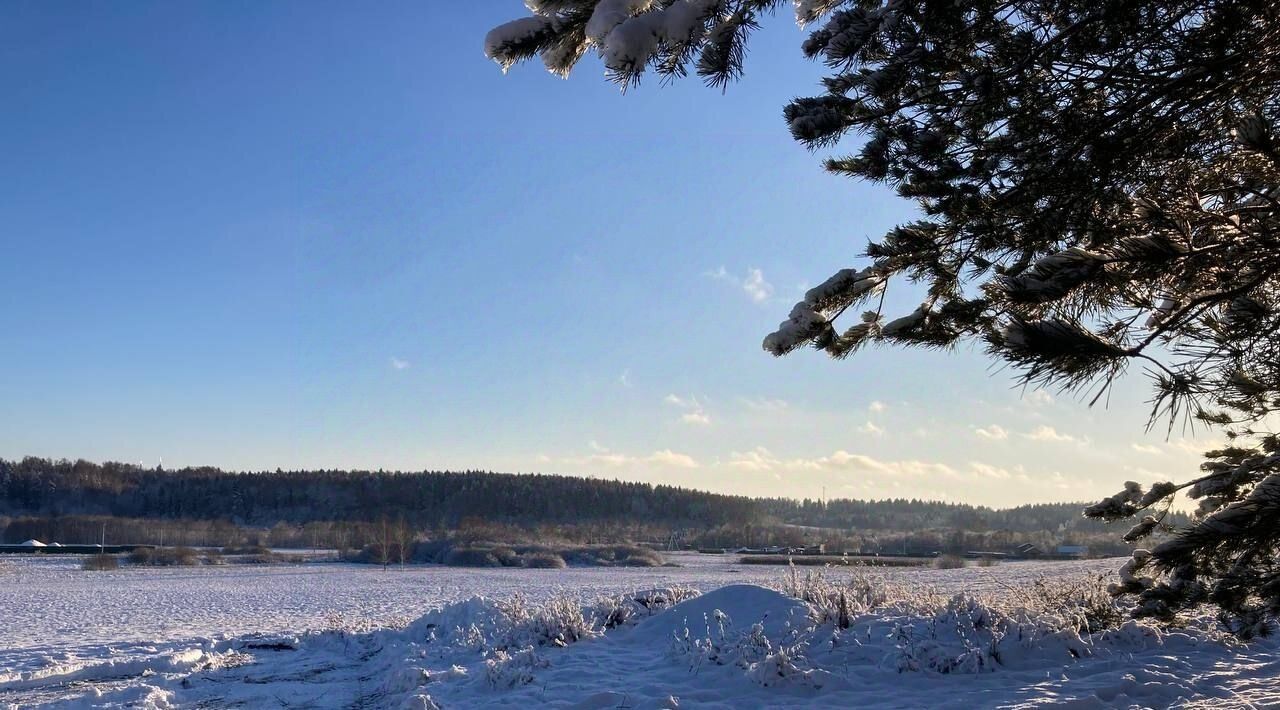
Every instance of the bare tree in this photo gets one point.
(404, 535)
(383, 545)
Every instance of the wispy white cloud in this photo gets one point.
(1062, 483)
(609, 459)
(1140, 472)
(861, 463)
(761, 459)
(602, 456)
(756, 287)
(1048, 433)
(1147, 449)
(988, 471)
(995, 432)
(763, 404)
(625, 378)
(877, 406)
(695, 413)
(871, 428)
(1039, 398)
(667, 457)
(678, 401)
(698, 418)
(757, 459)
(398, 364)
(753, 283)
(1194, 447)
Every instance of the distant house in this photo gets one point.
(1027, 549)
(1073, 550)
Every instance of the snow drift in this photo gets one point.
(736, 646)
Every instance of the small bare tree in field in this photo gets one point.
(342, 538)
(385, 537)
(403, 535)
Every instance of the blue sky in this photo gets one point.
(323, 234)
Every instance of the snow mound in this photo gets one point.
(142, 697)
(475, 620)
(172, 662)
(737, 646)
(735, 606)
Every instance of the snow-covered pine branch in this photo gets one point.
(1098, 185)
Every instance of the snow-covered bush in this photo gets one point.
(557, 622)
(612, 556)
(512, 670)
(860, 593)
(164, 556)
(969, 635)
(762, 659)
(472, 557)
(479, 553)
(543, 560)
(949, 562)
(627, 609)
(1085, 602)
(784, 665)
(100, 563)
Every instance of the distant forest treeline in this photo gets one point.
(426, 499)
(446, 500)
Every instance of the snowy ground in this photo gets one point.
(332, 635)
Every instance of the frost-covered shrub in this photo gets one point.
(479, 553)
(751, 650)
(100, 563)
(542, 560)
(964, 638)
(512, 670)
(627, 609)
(524, 550)
(345, 624)
(486, 625)
(507, 557)
(1084, 602)
(782, 666)
(247, 550)
(960, 634)
(948, 562)
(271, 558)
(429, 551)
(557, 622)
(164, 556)
(971, 636)
(484, 555)
(837, 602)
(472, 557)
(612, 556)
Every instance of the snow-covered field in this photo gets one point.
(335, 635)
